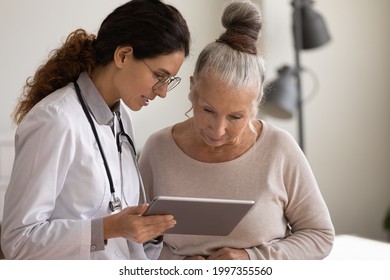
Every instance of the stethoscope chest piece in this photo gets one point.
(115, 204)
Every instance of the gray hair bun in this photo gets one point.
(242, 20)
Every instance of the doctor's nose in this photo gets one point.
(164, 85)
(161, 90)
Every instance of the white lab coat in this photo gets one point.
(59, 183)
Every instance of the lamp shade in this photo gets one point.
(313, 28)
(282, 94)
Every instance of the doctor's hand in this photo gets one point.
(229, 254)
(131, 225)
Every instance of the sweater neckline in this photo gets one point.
(242, 157)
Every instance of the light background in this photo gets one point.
(347, 124)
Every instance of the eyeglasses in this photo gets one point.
(172, 81)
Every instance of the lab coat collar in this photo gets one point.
(95, 102)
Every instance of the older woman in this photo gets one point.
(223, 151)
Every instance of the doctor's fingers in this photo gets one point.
(154, 230)
(159, 224)
(144, 228)
(157, 219)
(136, 210)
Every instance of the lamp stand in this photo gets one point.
(285, 96)
(297, 18)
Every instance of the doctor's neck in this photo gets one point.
(102, 77)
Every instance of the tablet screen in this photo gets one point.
(201, 216)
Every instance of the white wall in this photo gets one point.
(346, 124)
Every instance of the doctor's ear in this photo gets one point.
(191, 82)
(121, 54)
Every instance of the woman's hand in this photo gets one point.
(130, 225)
(229, 254)
(194, 258)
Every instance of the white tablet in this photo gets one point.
(200, 216)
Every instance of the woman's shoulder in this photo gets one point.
(157, 144)
(160, 136)
(274, 131)
(277, 137)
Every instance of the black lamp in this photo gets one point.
(284, 95)
(313, 28)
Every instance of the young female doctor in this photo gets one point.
(75, 179)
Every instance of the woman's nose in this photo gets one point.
(218, 127)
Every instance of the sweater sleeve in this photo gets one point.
(310, 233)
(146, 170)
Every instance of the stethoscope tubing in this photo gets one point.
(115, 202)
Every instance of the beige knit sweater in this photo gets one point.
(289, 220)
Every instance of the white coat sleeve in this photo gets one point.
(44, 150)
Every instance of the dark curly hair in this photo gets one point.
(151, 27)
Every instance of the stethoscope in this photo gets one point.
(115, 203)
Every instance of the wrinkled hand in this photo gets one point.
(130, 225)
(229, 254)
(194, 258)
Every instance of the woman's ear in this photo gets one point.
(191, 82)
(121, 54)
